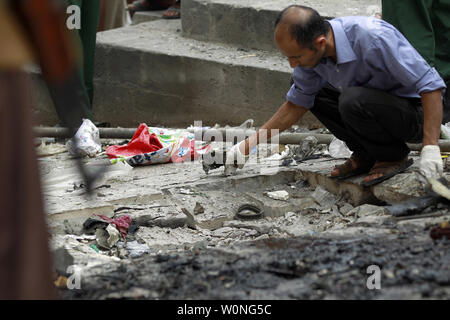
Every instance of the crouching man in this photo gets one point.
(366, 83)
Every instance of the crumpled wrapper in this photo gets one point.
(89, 143)
(338, 149)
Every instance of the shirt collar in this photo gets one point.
(344, 50)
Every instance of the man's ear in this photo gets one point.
(320, 41)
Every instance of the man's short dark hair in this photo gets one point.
(308, 29)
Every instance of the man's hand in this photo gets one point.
(287, 115)
(431, 162)
(235, 160)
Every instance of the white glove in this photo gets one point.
(235, 160)
(430, 164)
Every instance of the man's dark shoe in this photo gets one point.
(386, 170)
(354, 166)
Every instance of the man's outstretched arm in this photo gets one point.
(286, 116)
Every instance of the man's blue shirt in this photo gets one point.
(371, 53)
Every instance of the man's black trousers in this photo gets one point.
(374, 124)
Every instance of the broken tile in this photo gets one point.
(366, 210)
(324, 198)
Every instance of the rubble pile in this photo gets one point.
(148, 229)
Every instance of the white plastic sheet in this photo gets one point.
(338, 149)
(88, 140)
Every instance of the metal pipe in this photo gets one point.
(215, 135)
(109, 133)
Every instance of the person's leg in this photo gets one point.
(413, 19)
(149, 5)
(426, 25)
(441, 24)
(174, 12)
(326, 110)
(90, 17)
(25, 261)
(113, 14)
(380, 122)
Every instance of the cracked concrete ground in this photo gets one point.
(315, 245)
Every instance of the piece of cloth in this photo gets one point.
(358, 116)
(371, 53)
(87, 37)
(426, 25)
(113, 14)
(25, 262)
(141, 142)
(121, 223)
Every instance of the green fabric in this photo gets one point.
(426, 25)
(87, 36)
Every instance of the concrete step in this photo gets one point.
(146, 16)
(249, 23)
(150, 73)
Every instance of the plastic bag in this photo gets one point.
(151, 145)
(88, 140)
(338, 149)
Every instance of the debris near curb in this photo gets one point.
(107, 238)
(441, 231)
(122, 223)
(278, 195)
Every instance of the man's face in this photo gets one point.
(299, 56)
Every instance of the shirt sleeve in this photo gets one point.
(403, 62)
(306, 85)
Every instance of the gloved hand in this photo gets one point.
(430, 164)
(235, 160)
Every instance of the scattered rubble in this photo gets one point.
(107, 238)
(158, 226)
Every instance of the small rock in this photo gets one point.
(134, 249)
(132, 294)
(62, 259)
(323, 272)
(375, 220)
(198, 208)
(324, 198)
(346, 208)
(123, 254)
(366, 210)
(389, 274)
(278, 195)
(190, 221)
(260, 227)
(262, 237)
(200, 245)
(162, 222)
(222, 232)
(289, 214)
(185, 191)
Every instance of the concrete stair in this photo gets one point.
(250, 23)
(217, 65)
(151, 73)
(146, 16)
